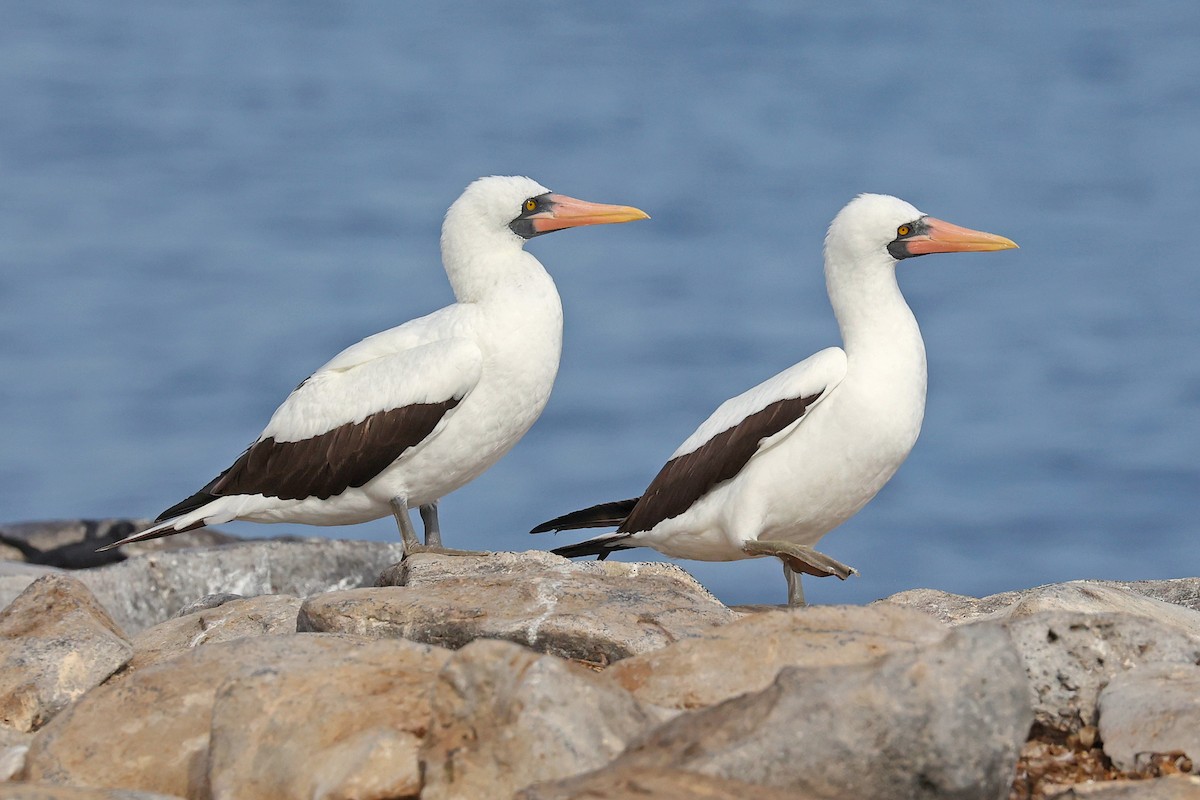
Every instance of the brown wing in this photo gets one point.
(687, 478)
(325, 465)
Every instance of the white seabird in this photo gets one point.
(408, 415)
(779, 466)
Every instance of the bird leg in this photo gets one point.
(795, 589)
(433, 531)
(408, 534)
(798, 558)
(433, 535)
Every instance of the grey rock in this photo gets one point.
(237, 619)
(149, 730)
(12, 761)
(207, 602)
(13, 747)
(596, 611)
(145, 590)
(21, 569)
(638, 783)
(72, 543)
(1177, 600)
(945, 721)
(45, 791)
(1069, 656)
(505, 717)
(1174, 787)
(15, 577)
(1151, 709)
(699, 672)
(341, 725)
(56, 643)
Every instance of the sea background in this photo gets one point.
(202, 202)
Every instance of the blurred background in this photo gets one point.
(200, 203)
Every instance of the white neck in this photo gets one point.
(483, 261)
(879, 331)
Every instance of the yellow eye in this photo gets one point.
(531, 204)
(903, 230)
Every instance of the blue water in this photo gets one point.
(201, 202)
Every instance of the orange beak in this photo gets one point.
(944, 237)
(567, 212)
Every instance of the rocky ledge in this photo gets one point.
(323, 669)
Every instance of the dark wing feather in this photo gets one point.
(598, 516)
(686, 478)
(325, 465)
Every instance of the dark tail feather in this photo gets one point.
(600, 516)
(200, 498)
(600, 546)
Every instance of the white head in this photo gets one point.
(866, 240)
(877, 230)
(495, 216)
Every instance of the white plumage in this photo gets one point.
(779, 466)
(408, 415)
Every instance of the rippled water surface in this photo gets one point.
(200, 203)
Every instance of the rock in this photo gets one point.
(150, 730)
(1175, 787)
(237, 619)
(56, 642)
(13, 747)
(12, 761)
(20, 569)
(944, 721)
(505, 717)
(342, 725)
(207, 602)
(72, 543)
(1175, 600)
(654, 784)
(143, 591)
(43, 791)
(1151, 709)
(1179, 591)
(706, 670)
(1069, 656)
(596, 611)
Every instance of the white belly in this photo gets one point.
(522, 342)
(807, 483)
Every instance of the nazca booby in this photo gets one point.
(779, 466)
(410, 414)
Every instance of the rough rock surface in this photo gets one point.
(1157, 599)
(370, 705)
(235, 619)
(1176, 787)
(595, 611)
(505, 717)
(745, 656)
(1070, 655)
(639, 783)
(115, 735)
(13, 747)
(1152, 709)
(43, 791)
(945, 721)
(820, 702)
(72, 543)
(143, 591)
(56, 643)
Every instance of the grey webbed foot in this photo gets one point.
(799, 558)
(433, 539)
